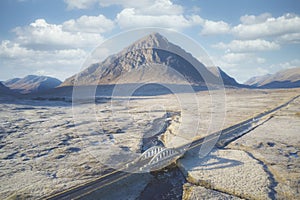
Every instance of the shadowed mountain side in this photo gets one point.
(282, 84)
(5, 91)
(227, 80)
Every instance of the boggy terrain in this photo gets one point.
(45, 150)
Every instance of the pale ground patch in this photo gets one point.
(273, 151)
(277, 145)
(230, 171)
(193, 192)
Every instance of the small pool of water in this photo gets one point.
(167, 184)
(294, 155)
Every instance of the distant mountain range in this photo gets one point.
(152, 59)
(31, 84)
(289, 78)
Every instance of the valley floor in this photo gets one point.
(49, 146)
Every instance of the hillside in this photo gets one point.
(289, 78)
(227, 80)
(32, 84)
(4, 90)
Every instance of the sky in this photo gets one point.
(245, 38)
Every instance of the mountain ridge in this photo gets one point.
(287, 78)
(32, 84)
(257, 80)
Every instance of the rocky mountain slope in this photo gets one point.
(227, 80)
(32, 84)
(289, 78)
(150, 59)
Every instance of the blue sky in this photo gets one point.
(244, 37)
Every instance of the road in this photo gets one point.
(82, 190)
(224, 137)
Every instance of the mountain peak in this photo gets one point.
(155, 36)
(153, 40)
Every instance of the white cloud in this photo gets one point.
(247, 45)
(10, 49)
(57, 49)
(260, 60)
(157, 13)
(161, 7)
(126, 3)
(214, 27)
(265, 26)
(239, 59)
(252, 19)
(259, 71)
(289, 64)
(89, 24)
(146, 7)
(85, 4)
(289, 38)
(129, 18)
(241, 66)
(236, 57)
(258, 27)
(79, 4)
(23, 61)
(42, 35)
(144, 13)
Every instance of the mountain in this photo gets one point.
(256, 81)
(4, 90)
(289, 78)
(32, 84)
(11, 81)
(150, 59)
(227, 80)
